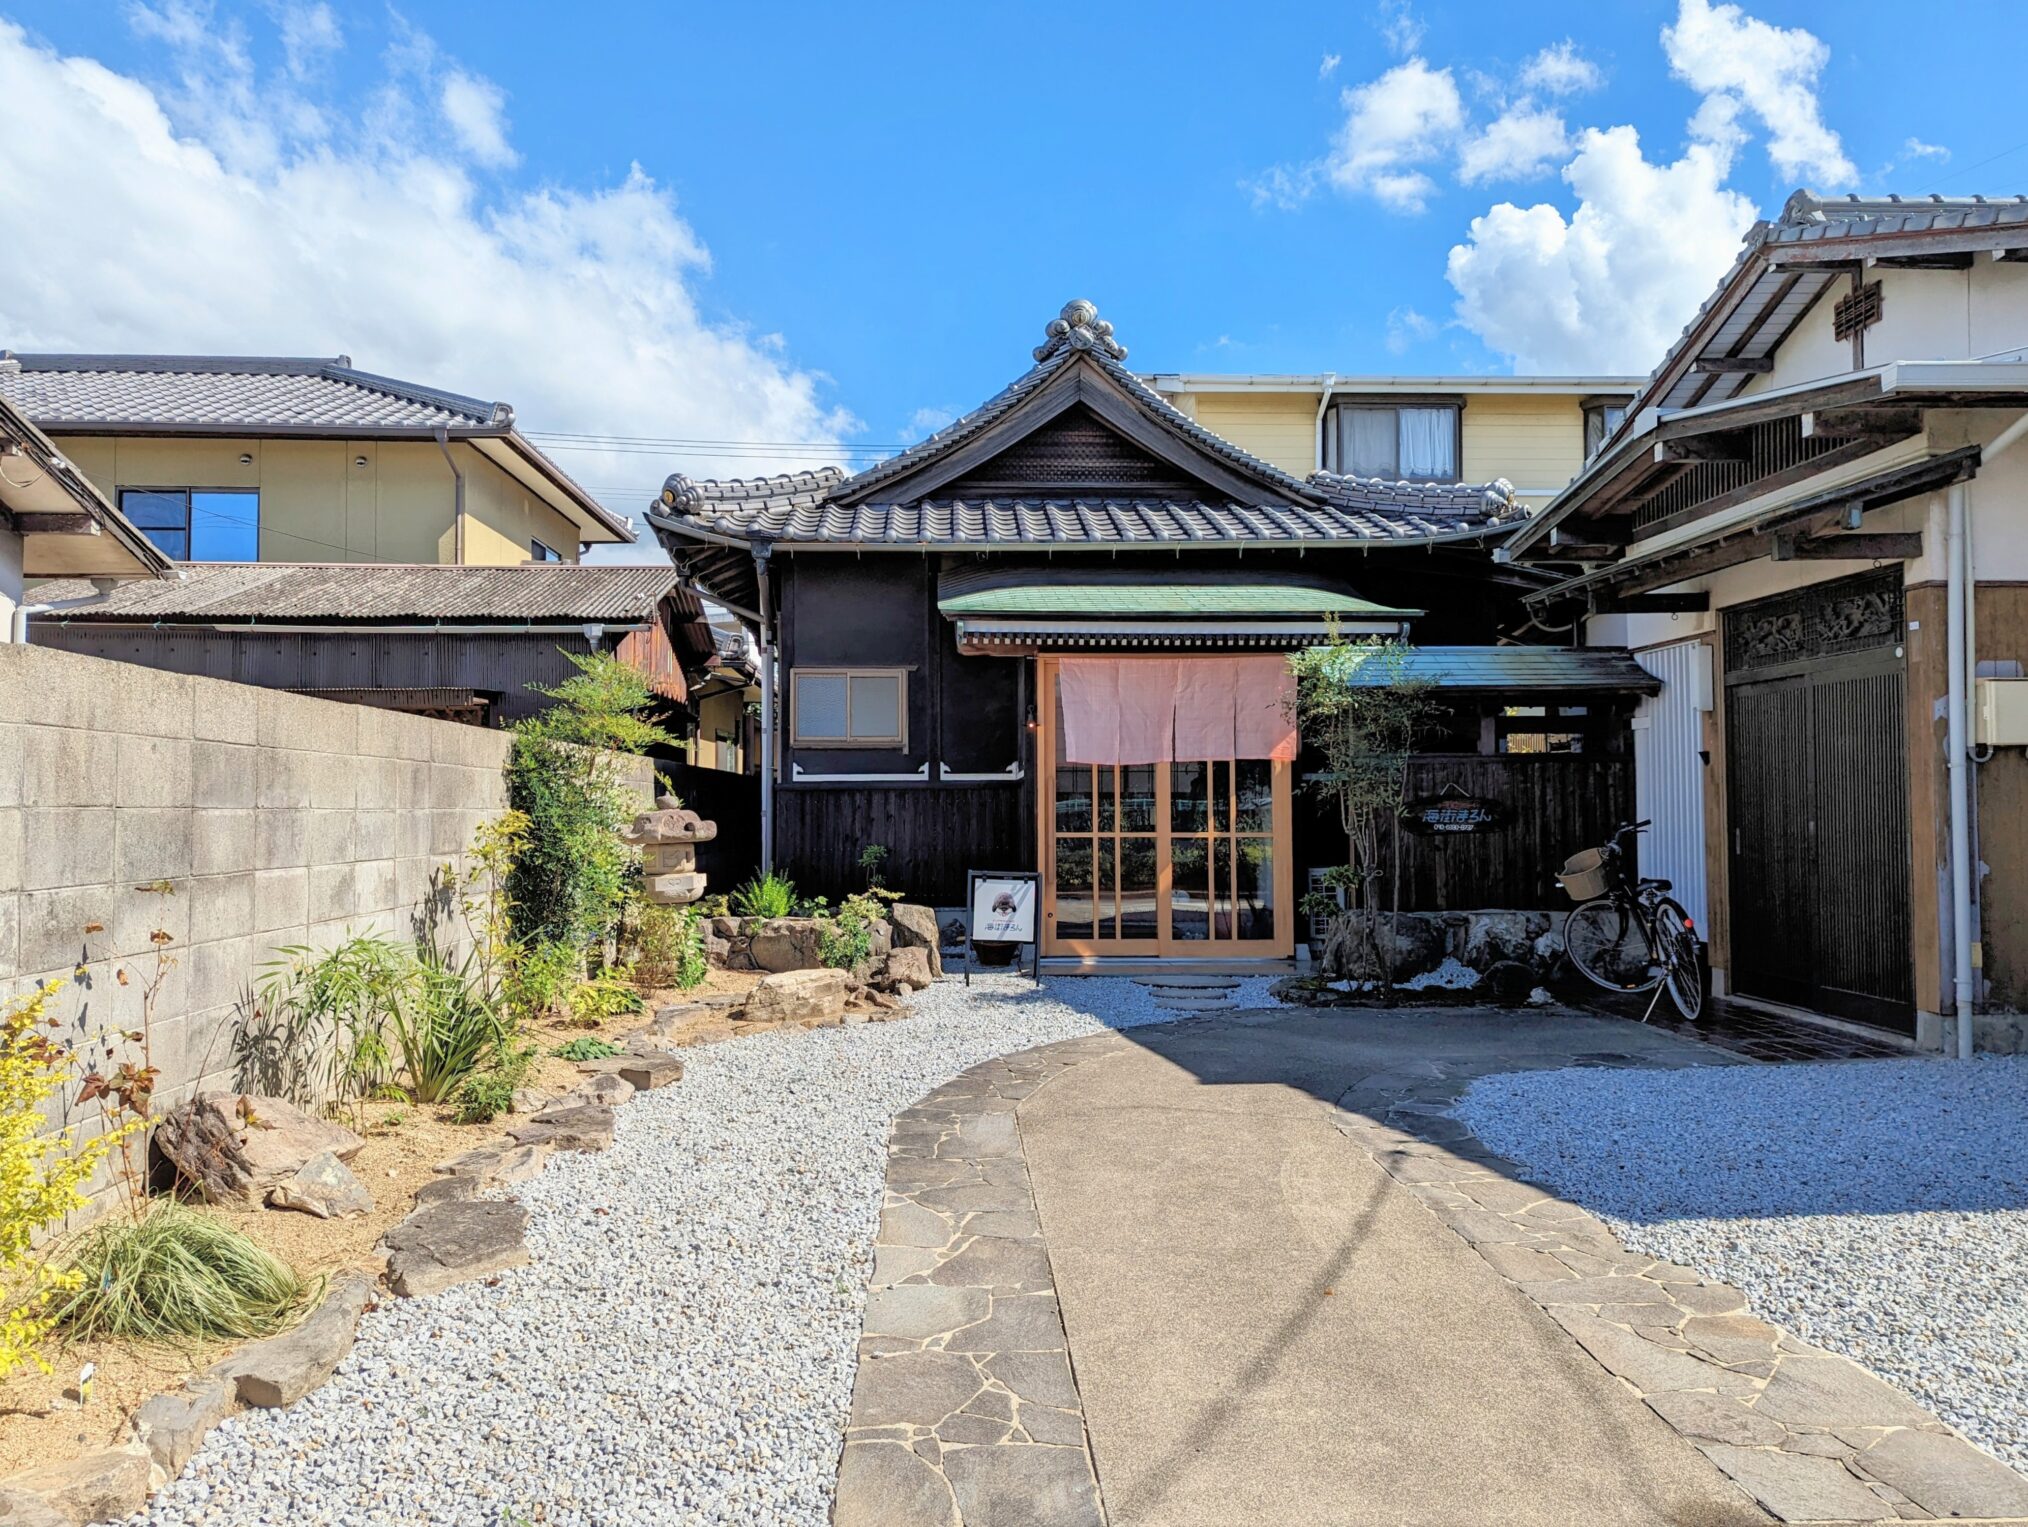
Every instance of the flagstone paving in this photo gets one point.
(1296, 1290)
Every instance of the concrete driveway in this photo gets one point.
(1267, 1328)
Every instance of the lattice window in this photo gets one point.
(1857, 311)
(1824, 620)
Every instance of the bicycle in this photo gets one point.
(1630, 937)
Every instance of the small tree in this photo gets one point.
(1358, 707)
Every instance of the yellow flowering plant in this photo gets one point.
(42, 1174)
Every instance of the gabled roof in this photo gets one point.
(43, 495)
(1785, 265)
(957, 489)
(281, 397)
(379, 593)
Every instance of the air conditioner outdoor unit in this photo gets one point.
(2000, 708)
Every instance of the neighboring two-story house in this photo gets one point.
(1813, 527)
(1534, 432)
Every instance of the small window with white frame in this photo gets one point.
(1396, 439)
(849, 708)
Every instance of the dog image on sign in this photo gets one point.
(1003, 912)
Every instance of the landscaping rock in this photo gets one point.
(24, 1508)
(324, 1187)
(530, 1100)
(648, 1072)
(787, 943)
(108, 1486)
(493, 1166)
(172, 1425)
(583, 1127)
(809, 997)
(282, 1369)
(908, 969)
(607, 1088)
(1508, 982)
(1493, 937)
(448, 1190)
(915, 927)
(228, 1159)
(446, 1244)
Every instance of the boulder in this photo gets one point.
(24, 1508)
(1508, 982)
(907, 969)
(607, 1088)
(530, 1100)
(446, 1244)
(173, 1425)
(915, 927)
(455, 1188)
(1491, 937)
(787, 943)
(809, 997)
(579, 1127)
(648, 1072)
(107, 1486)
(282, 1369)
(236, 1148)
(324, 1187)
(494, 1166)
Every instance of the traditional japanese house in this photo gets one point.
(1809, 527)
(1053, 637)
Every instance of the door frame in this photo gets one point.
(1165, 945)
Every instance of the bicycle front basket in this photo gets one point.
(1584, 875)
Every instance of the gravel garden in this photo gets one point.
(1877, 1208)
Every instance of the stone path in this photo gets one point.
(964, 1409)
(1192, 996)
(1265, 1326)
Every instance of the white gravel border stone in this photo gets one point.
(1876, 1208)
(682, 1350)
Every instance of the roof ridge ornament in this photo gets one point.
(1079, 327)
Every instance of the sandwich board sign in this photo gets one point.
(1001, 907)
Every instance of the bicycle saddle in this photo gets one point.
(1660, 885)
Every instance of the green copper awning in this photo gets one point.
(1505, 670)
(1157, 612)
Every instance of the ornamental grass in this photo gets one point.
(175, 1275)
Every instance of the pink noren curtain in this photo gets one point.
(1152, 710)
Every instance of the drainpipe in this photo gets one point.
(1961, 598)
(17, 631)
(458, 496)
(767, 726)
(1324, 402)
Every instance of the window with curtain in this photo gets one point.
(198, 524)
(1398, 441)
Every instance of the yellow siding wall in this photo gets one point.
(318, 504)
(715, 713)
(1536, 443)
(1278, 427)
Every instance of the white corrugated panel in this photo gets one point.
(1668, 771)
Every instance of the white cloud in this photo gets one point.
(310, 34)
(1740, 63)
(925, 422)
(1407, 328)
(578, 305)
(1915, 148)
(1520, 144)
(1328, 66)
(1402, 28)
(476, 109)
(1561, 70)
(1609, 287)
(1403, 119)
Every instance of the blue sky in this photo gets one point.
(811, 224)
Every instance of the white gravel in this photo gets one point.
(682, 1349)
(1877, 1208)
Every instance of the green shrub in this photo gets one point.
(570, 879)
(321, 1029)
(764, 896)
(446, 1025)
(586, 1047)
(602, 997)
(846, 940)
(540, 977)
(177, 1275)
(669, 948)
(483, 1097)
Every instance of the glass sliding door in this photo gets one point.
(1185, 859)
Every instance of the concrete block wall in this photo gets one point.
(236, 820)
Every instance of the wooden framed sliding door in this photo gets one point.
(1188, 859)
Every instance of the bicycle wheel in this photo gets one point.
(1682, 967)
(1608, 943)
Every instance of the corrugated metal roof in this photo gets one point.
(1164, 598)
(378, 592)
(251, 393)
(1501, 668)
(825, 507)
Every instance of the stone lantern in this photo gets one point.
(668, 837)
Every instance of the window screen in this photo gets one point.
(856, 707)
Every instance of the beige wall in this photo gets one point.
(1534, 440)
(318, 504)
(715, 713)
